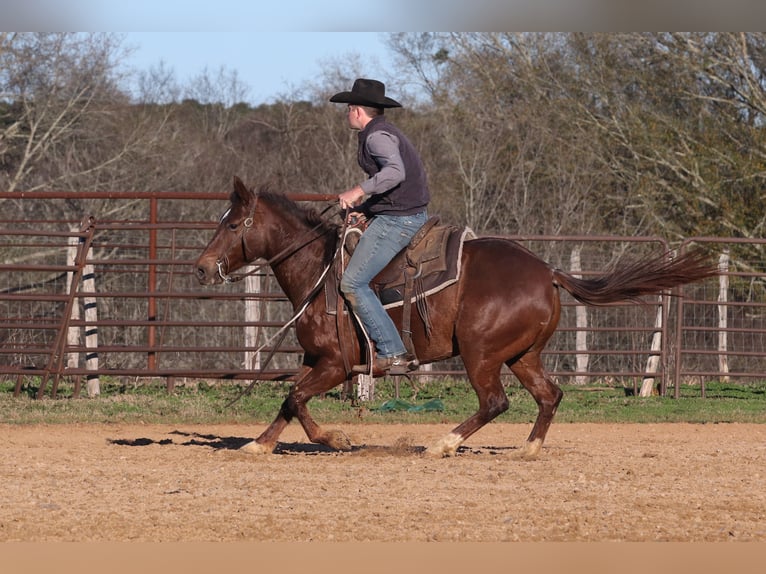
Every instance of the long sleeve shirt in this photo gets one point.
(384, 149)
(397, 183)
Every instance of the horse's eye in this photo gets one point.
(233, 226)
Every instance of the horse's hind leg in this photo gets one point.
(485, 379)
(310, 383)
(529, 370)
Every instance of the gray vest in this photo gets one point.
(411, 195)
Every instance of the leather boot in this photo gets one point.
(396, 365)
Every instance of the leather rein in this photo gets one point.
(284, 254)
(294, 247)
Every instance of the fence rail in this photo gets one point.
(117, 297)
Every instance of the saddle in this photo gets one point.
(430, 263)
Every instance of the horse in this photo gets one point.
(503, 309)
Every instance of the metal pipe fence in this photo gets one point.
(115, 296)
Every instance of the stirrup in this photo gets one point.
(396, 365)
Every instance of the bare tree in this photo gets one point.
(49, 84)
(678, 116)
(648, 133)
(219, 93)
(507, 161)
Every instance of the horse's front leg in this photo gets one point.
(312, 382)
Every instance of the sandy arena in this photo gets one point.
(592, 482)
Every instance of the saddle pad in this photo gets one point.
(439, 254)
(438, 261)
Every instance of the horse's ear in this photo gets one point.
(240, 189)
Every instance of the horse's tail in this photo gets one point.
(630, 281)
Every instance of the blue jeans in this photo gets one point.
(386, 236)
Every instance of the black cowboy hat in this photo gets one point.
(366, 93)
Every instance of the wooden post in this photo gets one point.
(723, 321)
(653, 362)
(56, 360)
(73, 332)
(252, 315)
(93, 385)
(581, 320)
(365, 388)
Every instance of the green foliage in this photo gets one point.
(209, 404)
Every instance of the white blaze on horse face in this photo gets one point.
(224, 216)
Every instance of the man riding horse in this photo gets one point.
(393, 199)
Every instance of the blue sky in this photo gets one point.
(270, 64)
(276, 47)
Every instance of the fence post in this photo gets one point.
(56, 360)
(653, 362)
(582, 358)
(93, 386)
(723, 322)
(151, 358)
(365, 389)
(73, 332)
(252, 315)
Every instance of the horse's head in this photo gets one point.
(228, 249)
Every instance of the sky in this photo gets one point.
(277, 46)
(270, 64)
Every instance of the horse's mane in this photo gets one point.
(309, 214)
(286, 205)
(312, 218)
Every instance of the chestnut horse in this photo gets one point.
(503, 310)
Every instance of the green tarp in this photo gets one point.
(401, 405)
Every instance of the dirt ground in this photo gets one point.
(592, 482)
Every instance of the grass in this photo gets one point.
(204, 403)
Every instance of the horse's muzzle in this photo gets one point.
(208, 274)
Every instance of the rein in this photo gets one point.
(280, 335)
(284, 254)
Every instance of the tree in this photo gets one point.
(507, 158)
(619, 133)
(679, 119)
(50, 85)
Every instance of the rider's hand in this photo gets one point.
(350, 198)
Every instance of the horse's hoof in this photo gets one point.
(435, 452)
(445, 447)
(529, 451)
(338, 440)
(256, 448)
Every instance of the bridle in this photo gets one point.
(246, 225)
(303, 240)
(286, 252)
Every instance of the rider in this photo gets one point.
(394, 199)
